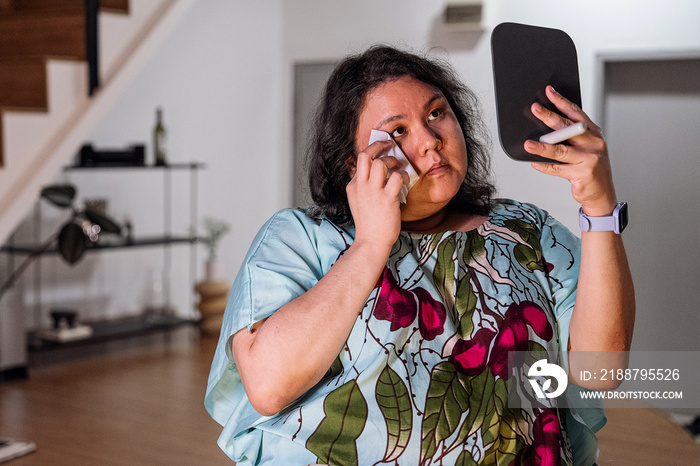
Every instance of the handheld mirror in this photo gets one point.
(525, 60)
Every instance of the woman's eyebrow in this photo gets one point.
(388, 120)
(436, 96)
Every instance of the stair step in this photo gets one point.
(14, 7)
(23, 84)
(115, 6)
(30, 32)
(60, 35)
(8, 7)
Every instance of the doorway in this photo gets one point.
(650, 109)
(309, 81)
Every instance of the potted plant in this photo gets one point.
(213, 292)
(214, 230)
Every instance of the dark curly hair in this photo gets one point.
(338, 115)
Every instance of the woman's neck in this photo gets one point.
(444, 220)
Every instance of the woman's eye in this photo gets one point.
(435, 114)
(398, 132)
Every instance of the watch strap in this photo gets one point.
(615, 222)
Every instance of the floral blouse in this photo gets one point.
(423, 377)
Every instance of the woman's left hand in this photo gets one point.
(603, 317)
(585, 161)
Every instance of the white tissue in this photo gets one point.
(395, 152)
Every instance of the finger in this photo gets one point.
(364, 159)
(395, 182)
(392, 163)
(573, 112)
(405, 179)
(554, 169)
(378, 172)
(550, 118)
(378, 148)
(564, 105)
(556, 152)
(362, 166)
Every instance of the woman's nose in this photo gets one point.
(429, 141)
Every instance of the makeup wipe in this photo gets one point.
(395, 152)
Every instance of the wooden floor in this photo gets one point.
(645, 436)
(145, 407)
(140, 406)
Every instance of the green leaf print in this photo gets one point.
(528, 258)
(474, 247)
(465, 459)
(491, 425)
(501, 392)
(489, 414)
(465, 303)
(395, 403)
(482, 400)
(434, 242)
(503, 452)
(526, 231)
(446, 402)
(444, 272)
(334, 439)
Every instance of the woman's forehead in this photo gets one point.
(399, 89)
(396, 99)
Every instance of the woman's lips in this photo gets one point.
(437, 169)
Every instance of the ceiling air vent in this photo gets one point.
(464, 15)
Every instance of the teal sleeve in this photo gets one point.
(282, 263)
(562, 250)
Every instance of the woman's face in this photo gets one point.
(422, 123)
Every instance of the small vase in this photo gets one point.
(213, 296)
(210, 269)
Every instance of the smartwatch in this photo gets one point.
(615, 222)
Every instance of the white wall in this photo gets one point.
(224, 80)
(216, 78)
(326, 30)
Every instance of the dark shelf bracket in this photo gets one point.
(92, 8)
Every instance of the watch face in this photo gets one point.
(623, 216)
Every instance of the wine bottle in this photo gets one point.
(159, 139)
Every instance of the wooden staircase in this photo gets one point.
(33, 31)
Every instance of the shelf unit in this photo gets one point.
(130, 326)
(104, 333)
(121, 244)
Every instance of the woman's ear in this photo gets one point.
(350, 165)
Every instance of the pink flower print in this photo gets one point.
(470, 356)
(395, 304)
(545, 446)
(400, 307)
(432, 315)
(513, 334)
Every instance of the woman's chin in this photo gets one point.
(420, 205)
(419, 212)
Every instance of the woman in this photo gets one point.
(366, 331)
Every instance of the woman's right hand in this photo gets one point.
(373, 198)
(285, 355)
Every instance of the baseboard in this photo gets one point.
(14, 373)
